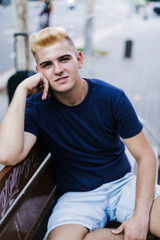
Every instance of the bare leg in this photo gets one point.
(68, 232)
(78, 232)
(155, 218)
(103, 234)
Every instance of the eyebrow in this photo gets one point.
(43, 63)
(59, 58)
(63, 56)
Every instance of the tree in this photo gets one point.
(20, 14)
(89, 26)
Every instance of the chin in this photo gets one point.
(63, 88)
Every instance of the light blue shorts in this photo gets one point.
(92, 209)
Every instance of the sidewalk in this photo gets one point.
(138, 76)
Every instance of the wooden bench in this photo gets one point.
(27, 193)
(27, 196)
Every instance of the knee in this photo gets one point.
(103, 234)
(68, 232)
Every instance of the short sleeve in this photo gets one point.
(128, 123)
(31, 116)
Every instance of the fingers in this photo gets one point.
(129, 231)
(43, 85)
(36, 83)
(45, 89)
(118, 230)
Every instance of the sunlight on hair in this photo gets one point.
(47, 37)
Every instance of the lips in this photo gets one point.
(61, 80)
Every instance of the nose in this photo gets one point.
(58, 69)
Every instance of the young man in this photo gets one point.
(85, 124)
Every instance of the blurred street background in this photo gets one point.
(114, 23)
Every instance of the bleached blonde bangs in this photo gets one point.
(47, 37)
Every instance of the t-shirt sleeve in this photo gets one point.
(127, 121)
(31, 115)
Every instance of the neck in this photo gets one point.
(74, 96)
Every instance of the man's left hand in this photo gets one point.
(135, 228)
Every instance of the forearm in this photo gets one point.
(145, 184)
(12, 128)
(13, 148)
(137, 226)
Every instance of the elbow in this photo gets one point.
(149, 160)
(7, 160)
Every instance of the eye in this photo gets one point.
(46, 65)
(65, 59)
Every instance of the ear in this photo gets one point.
(80, 59)
(37, 69)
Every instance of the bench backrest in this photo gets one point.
(26, 193)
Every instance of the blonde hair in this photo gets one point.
(47, 37)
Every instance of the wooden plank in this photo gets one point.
(26, 193)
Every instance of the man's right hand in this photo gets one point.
(14, 143)
(36, 83)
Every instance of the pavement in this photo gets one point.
(138, 76)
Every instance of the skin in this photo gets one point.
(62, 72)
(58, 68)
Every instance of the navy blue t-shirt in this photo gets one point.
(85, 140)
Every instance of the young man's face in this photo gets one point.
(60, 65)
